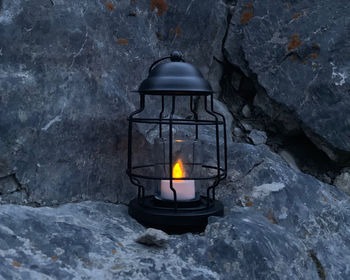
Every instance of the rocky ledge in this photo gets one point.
(278, 224)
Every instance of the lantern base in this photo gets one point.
(191, 217)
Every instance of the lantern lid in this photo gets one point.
(175, 77)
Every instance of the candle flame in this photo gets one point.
(178, 171)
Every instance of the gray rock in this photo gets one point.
(258, 137)
(314, 212)
(66, 71)
(246, 126)
(292, 226)
(8, 184)
(299, 54)
(289, 159)
(246, 111)
(238, 132)
(342, 181)
(153, 236)
(88, 240)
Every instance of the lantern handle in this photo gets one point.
(175, 56)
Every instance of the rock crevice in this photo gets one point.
(269, 101)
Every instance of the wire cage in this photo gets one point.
(176, 184)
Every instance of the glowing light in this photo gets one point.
(178, 171)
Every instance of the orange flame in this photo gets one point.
(178, 170)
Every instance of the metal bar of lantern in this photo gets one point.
(176, 121)
(160, 117)
(142, 107)
(195, 115)
(222, 172)
(225, 142)
(140, 189)
(171, 149)
(168, 178)
(212, 187)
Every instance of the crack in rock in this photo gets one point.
(10, 185)
(320, 269)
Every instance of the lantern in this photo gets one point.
(178, 172)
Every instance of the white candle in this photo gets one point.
(185, 189)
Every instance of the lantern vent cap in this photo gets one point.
(174, 77)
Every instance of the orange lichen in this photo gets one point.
(294, 42)
(295, 16)
(110, 6)
(248, 5)
(114, 252)
(17, 264)
(117, 266)
(314, 55)
(271, 217)
(249, 203)
(171, 31)
(54, 258)
(178, 31)
(122, 41)
(160, 5)
(120, 244)
(316, 47)
(247, 16)
(294, 57)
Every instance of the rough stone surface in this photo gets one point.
(298, 51)
(246, 126)
(279, 224)
(289, 159)
(342, 181)
(88, 240)
(246, 111)
(66, 69)
(258, 137)
(237, 132)
(65, 72)
(153, 236)
(314, 212)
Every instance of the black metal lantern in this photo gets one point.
(177, 176)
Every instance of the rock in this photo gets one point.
(289, 159)
(292, 50)
(88, 240)
(246, 111)
(342, 181)
(246, 126)
(8, 184)
(153, 236)
(236, 247)
(66, 71)
(258, 137)
(315, 213)
(238, 132)
(292, 227)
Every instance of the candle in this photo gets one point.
(185, 189)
